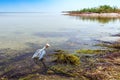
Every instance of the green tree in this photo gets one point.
(100, 9)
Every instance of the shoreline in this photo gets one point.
(102, 15)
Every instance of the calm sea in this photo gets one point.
(26, 30)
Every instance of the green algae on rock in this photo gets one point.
(66, 58)
(89, 51)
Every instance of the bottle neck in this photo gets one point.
(44, 47)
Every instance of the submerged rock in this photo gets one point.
(66, 58)
(109, 39)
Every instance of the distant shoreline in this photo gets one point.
(104, 15)
(104, 11)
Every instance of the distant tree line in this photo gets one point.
(100, 9)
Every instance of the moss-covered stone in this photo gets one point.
(88, 51)
(66, 58)
(114, 45)
(30, 77)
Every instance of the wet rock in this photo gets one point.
(109, 39)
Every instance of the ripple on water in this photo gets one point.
(54, 34)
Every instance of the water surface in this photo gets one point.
(23, 30)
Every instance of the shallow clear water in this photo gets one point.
(23, 30)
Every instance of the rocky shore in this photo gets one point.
(107, 15)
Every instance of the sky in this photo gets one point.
(52, 5)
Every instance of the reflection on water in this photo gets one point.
(102, 20)
(31, 30)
